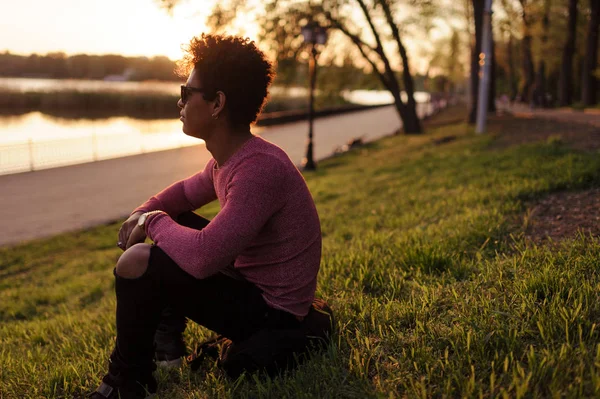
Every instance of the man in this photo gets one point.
(250, 274)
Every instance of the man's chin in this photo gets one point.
(191, 134)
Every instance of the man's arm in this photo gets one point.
(185, 195)
(254, 194)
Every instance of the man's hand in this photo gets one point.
(127, 228)
(137, 236)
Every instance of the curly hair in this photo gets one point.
(233, 65)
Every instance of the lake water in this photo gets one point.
(37, 141)
(53, 85)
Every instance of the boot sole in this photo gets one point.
(169, 364)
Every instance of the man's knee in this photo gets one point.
(134, 261)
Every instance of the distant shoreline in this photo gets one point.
(75, 104)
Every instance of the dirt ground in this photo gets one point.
(564, 214)
(511, 130)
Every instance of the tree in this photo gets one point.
(589, 81)
(528, 71)
(512, 74)
(540, 79)
(565, 81)
(507, 27)
(370, 39)
(373, 54)
(447, 63)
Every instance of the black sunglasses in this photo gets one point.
(187, 91)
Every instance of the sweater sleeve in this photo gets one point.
(185, 195)
(254, 193)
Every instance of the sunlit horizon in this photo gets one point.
(132, 28)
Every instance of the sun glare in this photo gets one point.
(165, 34)
(127, 27)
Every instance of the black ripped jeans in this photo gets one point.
(165, 295)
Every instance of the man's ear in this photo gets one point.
(219, 104)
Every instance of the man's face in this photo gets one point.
(196, 112)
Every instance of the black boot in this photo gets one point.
(125, 383)
(168, 340)
(131, 362)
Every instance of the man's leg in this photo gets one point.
(168, 339)
(138, 313)
(283, 346)
(147, 280)
(230, 307)
(170, 346)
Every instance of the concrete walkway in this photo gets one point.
(52, 201)
(589, 116)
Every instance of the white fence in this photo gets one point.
(42, 154)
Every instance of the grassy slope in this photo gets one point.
(435, 290)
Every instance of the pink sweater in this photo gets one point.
(268, 225)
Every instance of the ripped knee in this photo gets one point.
(133, 263)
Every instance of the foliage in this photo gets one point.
(381, 49)
(447, 63)
(509, 23)
(436, 292)
(73, 104)
(83, 66)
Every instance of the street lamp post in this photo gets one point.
(485, 67)
(313, 34)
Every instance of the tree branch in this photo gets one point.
(406, 76)
(355, 38)
(361, 47)
(388, 68)
(365, 11)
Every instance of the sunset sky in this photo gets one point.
(128, 27)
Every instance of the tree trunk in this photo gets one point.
(512, 75)
(411, 122)
(407, 111)
(539, 89)
(492, 93)
(475, 51)
(589, 81)
(528, 71)
(565, 80)
(540, 79)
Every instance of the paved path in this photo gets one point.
(591, 116)
(48, 202)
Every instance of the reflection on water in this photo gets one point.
(23, 85)
(375, 97)
(53, 85)
(40, 127)
(37, 141)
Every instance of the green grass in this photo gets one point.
(436, 292)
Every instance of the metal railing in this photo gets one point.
(35, 155)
